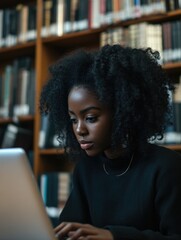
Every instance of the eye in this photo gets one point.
(91, 119)
(73, 120)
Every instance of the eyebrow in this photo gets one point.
(86, 109)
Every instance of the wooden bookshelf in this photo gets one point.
(47, 50)
(176, 147)
(27, 118)
(27, 48)
(172, 66)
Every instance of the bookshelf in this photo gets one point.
(46, 50)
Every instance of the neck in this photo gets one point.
(115, 153)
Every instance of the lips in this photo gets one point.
(86, 145)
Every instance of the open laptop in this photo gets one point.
(22, 212)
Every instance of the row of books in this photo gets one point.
(172, 5)
(164, 37)
(172, 133)
(63, 16)
(17, 88)
(55, 188)
(47, 136)
(12, 135)
(17, 25)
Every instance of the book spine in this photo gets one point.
(31, 28)
(67, 17)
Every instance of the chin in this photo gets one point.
(92, 153)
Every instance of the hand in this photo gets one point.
(79, 231)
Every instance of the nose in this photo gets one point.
(81, 129)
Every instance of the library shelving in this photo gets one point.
(45, 50)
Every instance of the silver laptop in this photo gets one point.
(22, 212)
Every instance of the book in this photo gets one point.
(94, 14)
(109, 12)
(171, 5)
(57, 17)
(83, 15)
(47, 134)
(17, 24)
(31, 91)
(74, 15)
(55, 188)
(1, 28)
(64, 188)
(67, 17)
(16, 136)
(7, 88)
(177, 106)
(2, 132)
(6, 27)
(31, 28)
(13, 28)
(2, 108)
(173, 131)
(24, 24)
(42, 133)
(47, 14)
(116, 6)
(25, 80)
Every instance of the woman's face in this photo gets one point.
(91, 121)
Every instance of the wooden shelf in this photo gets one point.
(153, 18)
(28, 118)
(172, 66)
(53, 151)
(51, 160)
(12, 3)
(176, 147)
(27, 48)
(93, 34)
(80, 39)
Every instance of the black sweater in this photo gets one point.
(144, 203)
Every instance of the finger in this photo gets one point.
(82, 233)
(60, 226)
(66, 227)
(71, 233)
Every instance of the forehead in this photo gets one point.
(82, 95)
(82, 100)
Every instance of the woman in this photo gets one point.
(109, 104)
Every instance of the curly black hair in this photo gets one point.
(130, 80)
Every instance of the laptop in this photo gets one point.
(22, 211)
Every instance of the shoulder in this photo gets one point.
(162, 154)
(164, 162)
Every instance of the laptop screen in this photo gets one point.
(22, 212)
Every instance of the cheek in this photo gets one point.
(74, 129)
(103, 131)
(106, 135)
